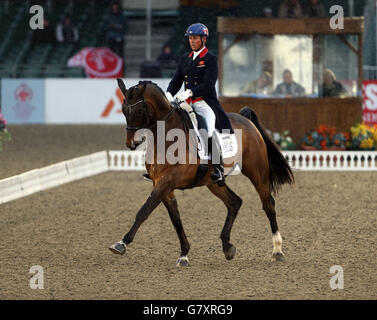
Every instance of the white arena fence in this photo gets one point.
(82, 167)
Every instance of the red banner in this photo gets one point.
(98, 62)
(370, 102)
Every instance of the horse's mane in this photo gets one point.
(146, 82)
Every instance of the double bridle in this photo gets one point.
(148, 115)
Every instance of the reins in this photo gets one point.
(175, 104)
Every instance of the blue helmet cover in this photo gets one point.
(197, 29)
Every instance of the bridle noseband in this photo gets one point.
(175, 104)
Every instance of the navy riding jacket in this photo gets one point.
(200, 76)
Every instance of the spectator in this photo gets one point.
(166, 57)
(289, 88)
(267, 12)
(290, 9)
(67, 32)
(45, 35)
(262, 85)
(115, 27)
(315, 8)
(331, 87)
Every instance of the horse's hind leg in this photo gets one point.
(262, 185)
(171, 205)
(233, 203)
(269, 208)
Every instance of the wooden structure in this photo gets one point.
(298, 115)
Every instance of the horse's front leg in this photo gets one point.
(171, 204)
(152, 202)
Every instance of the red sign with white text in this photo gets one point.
(370, 102)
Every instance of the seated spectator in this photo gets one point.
(115, 27)
(290, 9)
(67, 32)
(166, 57)
(45, 35)
(289, 88)
(331, 87)
(262, 85)
(314, 8)
(267, 12)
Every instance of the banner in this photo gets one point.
(98, 62)
(90, 101)
(370, 102)
(23, 101)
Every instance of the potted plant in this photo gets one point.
(283, 140)
(325, 138)
(363, 137)
(4, 134)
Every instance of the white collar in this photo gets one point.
(196, 53)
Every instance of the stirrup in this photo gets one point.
(217, 175)
(147, 177)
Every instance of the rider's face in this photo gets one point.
(196, 42)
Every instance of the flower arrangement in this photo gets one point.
(4, 134)
(283, 140)
(325, 138)
(363, 137)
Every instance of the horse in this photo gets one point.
(262, 162)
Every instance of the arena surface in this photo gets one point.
(326, 219)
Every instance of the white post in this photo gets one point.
(149, 30)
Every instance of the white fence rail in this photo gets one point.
(63, 172)
(332, 160)
(52, 176)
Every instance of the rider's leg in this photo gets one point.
(205, 111)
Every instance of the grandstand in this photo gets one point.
(170, 18)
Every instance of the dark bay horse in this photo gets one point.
(262, 163)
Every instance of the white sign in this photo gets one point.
(89, 101)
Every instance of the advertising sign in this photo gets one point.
(90, 101)
(98, 62)
(23, 100)
(370, 102)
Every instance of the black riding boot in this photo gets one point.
(217, 174)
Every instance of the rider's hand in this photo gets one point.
(183, 96)
(169, 96)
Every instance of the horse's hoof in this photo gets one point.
(118, 248)
(278, 256)
(230, 253)
(182, 262)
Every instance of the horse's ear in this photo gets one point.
(122, 86)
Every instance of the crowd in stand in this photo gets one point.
(115, 27)
(66, 31)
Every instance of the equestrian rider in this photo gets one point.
(198, 70)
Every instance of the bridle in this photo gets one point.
(175, 104)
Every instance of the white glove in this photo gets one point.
(169, 96)
(183, 96)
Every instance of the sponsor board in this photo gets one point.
(370, 102)
(23, 101)
(92, 101)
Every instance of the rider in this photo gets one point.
(198, 70)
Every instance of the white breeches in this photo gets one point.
(204, 110)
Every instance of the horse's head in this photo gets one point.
(140, 108)
(135, 110)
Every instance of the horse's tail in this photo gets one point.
(280, 171)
